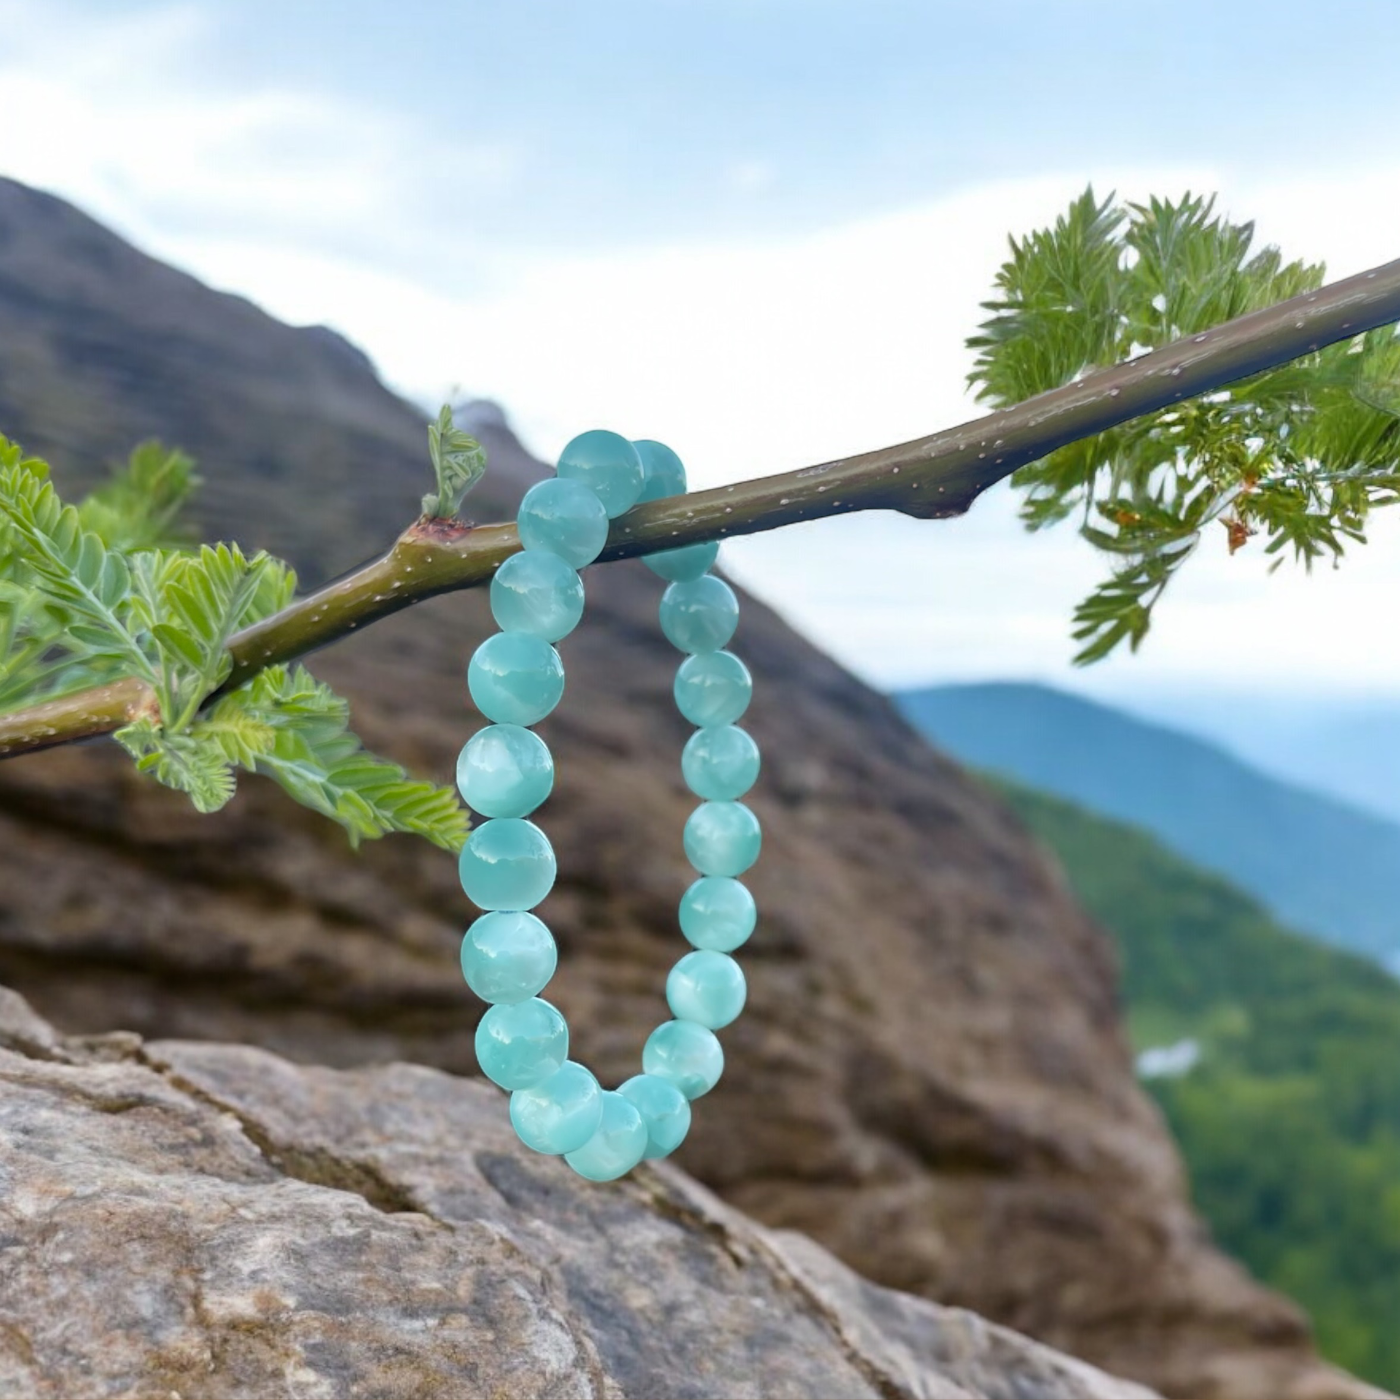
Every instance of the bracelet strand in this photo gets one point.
(507, 866)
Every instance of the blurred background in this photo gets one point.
(760, 230)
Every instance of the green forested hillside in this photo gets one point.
(1290, 1121)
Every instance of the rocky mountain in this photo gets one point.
(1321, 865)
(931, 1079)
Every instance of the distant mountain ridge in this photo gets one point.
(1324, 867)
(1348, 748)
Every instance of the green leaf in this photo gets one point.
(178, 644)
(186, 762)
(188, 605)
(71, 564)
(242, 736)
(286, 724)
(459, 462)
(139, 507)
(1298, 455)
(94, 592)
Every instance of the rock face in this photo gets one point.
(930, 1078)
(251, 1227)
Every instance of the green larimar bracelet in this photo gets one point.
(507, 865)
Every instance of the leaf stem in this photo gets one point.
(932, 478)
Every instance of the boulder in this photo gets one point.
(196, 1219)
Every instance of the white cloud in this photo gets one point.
(118, 111)
(749, 357)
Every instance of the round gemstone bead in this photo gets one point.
(720, 763)
(707, 988)
(560, 1113)
(515, 678)
(722, 838)
(507, 864)
(687, 1054)
(683, 565)
(508, 956)
(504, 771)
(663, 472)
(700, 615)
(521, 1044)
(718, 913)
(714, 688)
(565, 518)
(616, 1147)
(608, 465)
(664, 1109)
(537, 592)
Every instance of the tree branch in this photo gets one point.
(932, 478)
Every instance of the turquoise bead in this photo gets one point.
(521, 1044)
(718, 913)
(515, 678)
(508, 956)
(713, 689)
(707, 988)
(683, 565)
(687, 1054)
(663, 472)
(565, 518)
(608, 465)
(507, 864)
(504, 771)
(616, 1147)
(720, 763)
(560, 1113)
(700, 615)
(537, 592)
(722, 838)
(664, 1109)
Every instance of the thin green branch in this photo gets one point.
(932, 478)
(82, 715)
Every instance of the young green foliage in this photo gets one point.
(101, 591)
(139, 507)
(1298, 455)
(287, 724)
(459, 462)
(64, 590)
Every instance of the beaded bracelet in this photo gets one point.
(507, 865)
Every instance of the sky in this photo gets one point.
(758, 230)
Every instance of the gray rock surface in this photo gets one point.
(193, 1219)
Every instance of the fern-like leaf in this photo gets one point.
(94, 592)
(1299, 455)
(73, 565)
(139, 507)
(181, 761)
(288, 725)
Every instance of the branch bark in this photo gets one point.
(932, 478)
